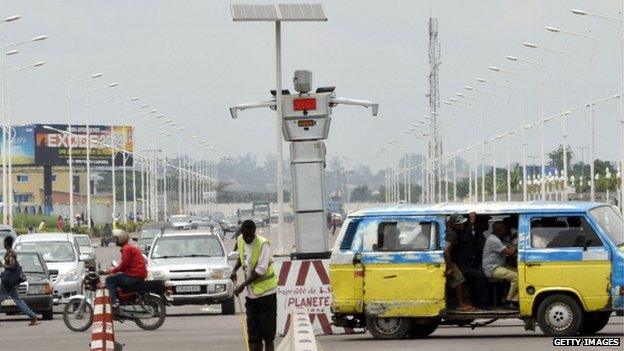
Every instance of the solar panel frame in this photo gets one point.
(280, 12)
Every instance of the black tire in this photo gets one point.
(228, 307)
(422, 329)
(47, 315)
(594, 322)
(159, 306)
(391, 328)
(560, 315)
(69, 312)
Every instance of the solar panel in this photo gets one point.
(272, 13)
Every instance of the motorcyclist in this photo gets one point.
(131, 270)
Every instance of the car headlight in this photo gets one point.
(70, 276)
(40, 289)
(155, 275)
(221, 273)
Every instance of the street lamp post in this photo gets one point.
(621, 22)
(523, 84)
(88, 161)
(592, 125)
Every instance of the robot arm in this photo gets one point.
(338, 100)
(241, 107)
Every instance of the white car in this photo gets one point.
(61, 253)
(86, 248)
(182, 222)
(196, 265)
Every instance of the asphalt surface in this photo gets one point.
(204, 328)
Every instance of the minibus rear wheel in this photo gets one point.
(560, 315)
(388, 327)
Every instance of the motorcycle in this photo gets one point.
(143, 303)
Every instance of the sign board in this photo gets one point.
(23, 145)
(52, 145)
(304, 284)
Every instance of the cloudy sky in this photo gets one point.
(191, 62)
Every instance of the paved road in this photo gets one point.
(203, 328)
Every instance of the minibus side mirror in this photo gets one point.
(357, 258)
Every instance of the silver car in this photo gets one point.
(86, 248)
(196, 265)
(62, 255)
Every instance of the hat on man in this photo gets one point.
(456, 218)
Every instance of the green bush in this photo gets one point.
(21, 220)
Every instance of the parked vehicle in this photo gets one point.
(62, 256)
(195, 264)
(182, 222)
(86, 247)
(570, 268)
(262, 211)
(143, 303)
(37, 290)
(229, 224)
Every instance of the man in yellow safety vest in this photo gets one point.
(254, 255)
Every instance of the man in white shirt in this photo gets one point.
(260, 285)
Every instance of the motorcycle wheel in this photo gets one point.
(159, 314)
(74, 321)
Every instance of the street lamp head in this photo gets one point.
(112, 85)
(578, 12)
(453, 100)
(552, 29)
(481, 80)
(529, 45)
(181, 128)
(468, 87)
(40, 38)
(512, 58)
(97, 75)
(144, 106)
(495, 69)
(134, 98)
(153, 111)
(12, 18)
(38, 64)
(11, 52)
(459, 94)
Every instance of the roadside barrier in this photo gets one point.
(103, 330)
(300, 335)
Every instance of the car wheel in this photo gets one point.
(422, 329)
(560, 315)
(594, 322)
(47, 315)
(228, 307)
(388, 328)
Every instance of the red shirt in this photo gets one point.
(132, 262)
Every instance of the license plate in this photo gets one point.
(8, 302)
(188, 288)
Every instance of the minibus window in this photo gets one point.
(611, 223)
(405, 236)
(562, 231)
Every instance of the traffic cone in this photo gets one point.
(103, 330)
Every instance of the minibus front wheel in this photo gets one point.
(560, 315)
(388, 327)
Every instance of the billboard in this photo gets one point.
(23, 145)
(51, 144)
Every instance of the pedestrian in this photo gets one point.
(31, 230)
(42, 227)
(59, 223)
(260, 283)
(11, 278)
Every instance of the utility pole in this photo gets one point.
(435, 145)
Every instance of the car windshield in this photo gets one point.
(611, 223)
(52, 251)
(83, 241)
(30, 263)
(180, 218)
(187, 246)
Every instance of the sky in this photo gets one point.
(191, 62)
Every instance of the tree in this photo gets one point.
(361, 194)
(556, 157)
